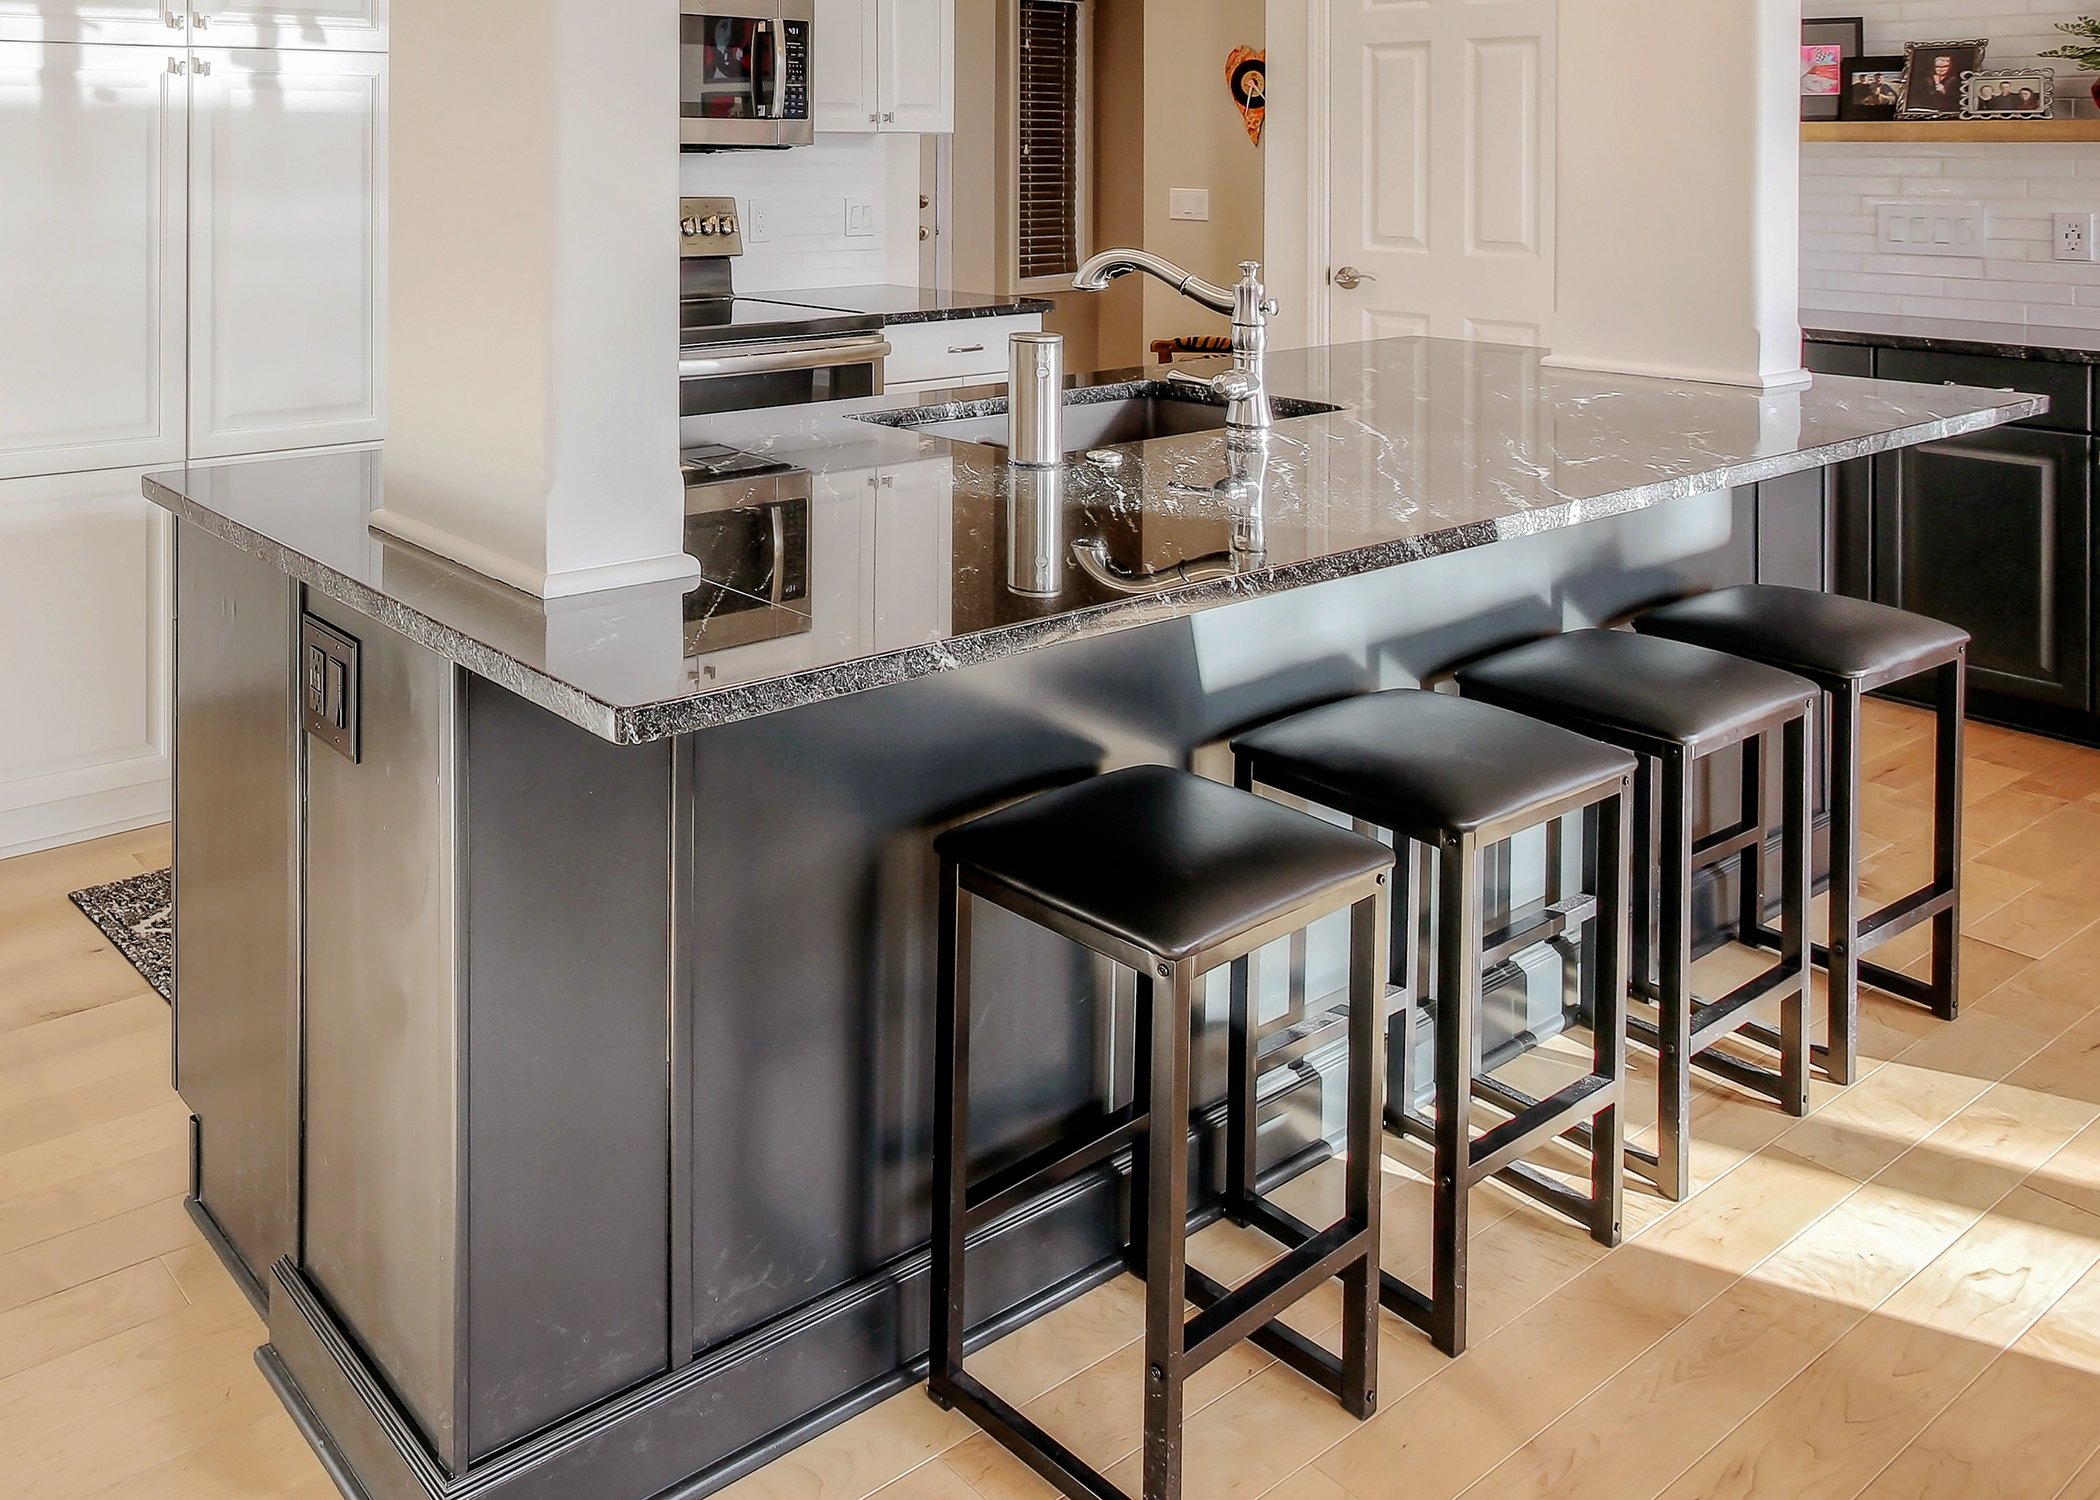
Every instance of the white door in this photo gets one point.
(918, 66)
(84, 609)
(310, 25)
(1441, 190)
(91, 213)
(843, 85)
(288, 244)
(131, 22)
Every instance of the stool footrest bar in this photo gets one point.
(1233, 1317)
(1022, 1438)
(1286, 1345)
(1538, 1123)
(1558, 921)
(1060, 1163)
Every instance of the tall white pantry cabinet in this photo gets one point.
(192, 267)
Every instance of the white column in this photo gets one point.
(533, 335)
(1680, 162)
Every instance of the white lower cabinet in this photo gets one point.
(954, 351)
(85, 666)
(287, 241)
(92, 167)
(913, 546)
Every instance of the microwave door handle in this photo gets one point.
(778, 103)
(778, 515)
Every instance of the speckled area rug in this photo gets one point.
(137, 915)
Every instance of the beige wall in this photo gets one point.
(1194, 137)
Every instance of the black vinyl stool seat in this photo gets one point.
(1172, 876)
(1849, 648)
(1460, 776)
(1672, 705)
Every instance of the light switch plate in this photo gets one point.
(1940, 227)
(860, 217)
(1189, 203)
(329, 697)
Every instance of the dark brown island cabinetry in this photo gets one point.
(1992, 531)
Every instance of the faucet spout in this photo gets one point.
(1247, 303)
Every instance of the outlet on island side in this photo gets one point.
(2074, 237)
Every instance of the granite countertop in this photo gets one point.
(2078, 346)
(911, 304)
(928, 555)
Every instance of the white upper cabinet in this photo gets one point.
(308, 25)
(884, 65)
(287, 231)
(131, 22)
(91, 305)
(351, 25)
(843, 84)
(918, 66)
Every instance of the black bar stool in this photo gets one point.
(1172, 876)
(1673, 705)
(1460, 776)
(1849, 648)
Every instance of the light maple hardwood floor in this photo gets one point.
(1897, 1297)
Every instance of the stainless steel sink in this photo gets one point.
(1095, 417)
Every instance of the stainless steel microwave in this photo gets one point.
(744, 75)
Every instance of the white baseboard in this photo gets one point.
(28, 828)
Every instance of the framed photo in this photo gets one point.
(1933, 73)
(1826, 43)
(1873, 88)
(2010, 94)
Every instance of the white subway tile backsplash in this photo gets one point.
(2016, 279)
(804, 192)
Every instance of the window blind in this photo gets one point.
(1048, 139)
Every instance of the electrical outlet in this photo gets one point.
(1938, 228)
(2074, 237)
(860, 217)
(758, 222)
(1189, 203)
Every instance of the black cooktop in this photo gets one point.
(751, 320)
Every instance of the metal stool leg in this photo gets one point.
(951, 1135)
(1757, 814)
(1608, 1017)
(1138, 1240)
(1406, 966)
(1166, 1212)
(1841, 1050)
(1673, 1174)
(1368, 968)
(1458, 949)
(1793, 925)
(1242, 1043)
(1946, 836)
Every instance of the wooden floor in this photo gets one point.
(1896, 1298)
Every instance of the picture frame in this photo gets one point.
(1827, 42)
(1873, 88)
(1933, 73)
(2009, 94)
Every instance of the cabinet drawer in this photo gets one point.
(957, 349)
(2068, 387)
(1838, 359)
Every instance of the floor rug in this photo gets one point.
(137, 915)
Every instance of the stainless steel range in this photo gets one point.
(737, 353)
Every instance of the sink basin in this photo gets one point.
(1095, 417)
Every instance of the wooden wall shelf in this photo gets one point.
(1950, 130)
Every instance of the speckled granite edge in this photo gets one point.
(645, 723)
(1021, 307)
(550, 693)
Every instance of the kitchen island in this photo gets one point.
(557, 1012)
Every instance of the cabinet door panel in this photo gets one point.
(918, 66)
(91, 171)
(122, 22)
(84, 687)
(1992, 532)
(842, 83)
(288, 205)
(305, 25)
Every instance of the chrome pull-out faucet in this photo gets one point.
(1248, 304)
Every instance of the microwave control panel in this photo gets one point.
(794, 53)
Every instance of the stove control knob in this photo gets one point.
(712, 224)
(729, 224)
(688, 227)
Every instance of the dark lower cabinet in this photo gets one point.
(1993, 532)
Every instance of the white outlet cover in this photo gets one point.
(2074, 237)
(1940, 227)
(1189, 203)
(758, 222)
